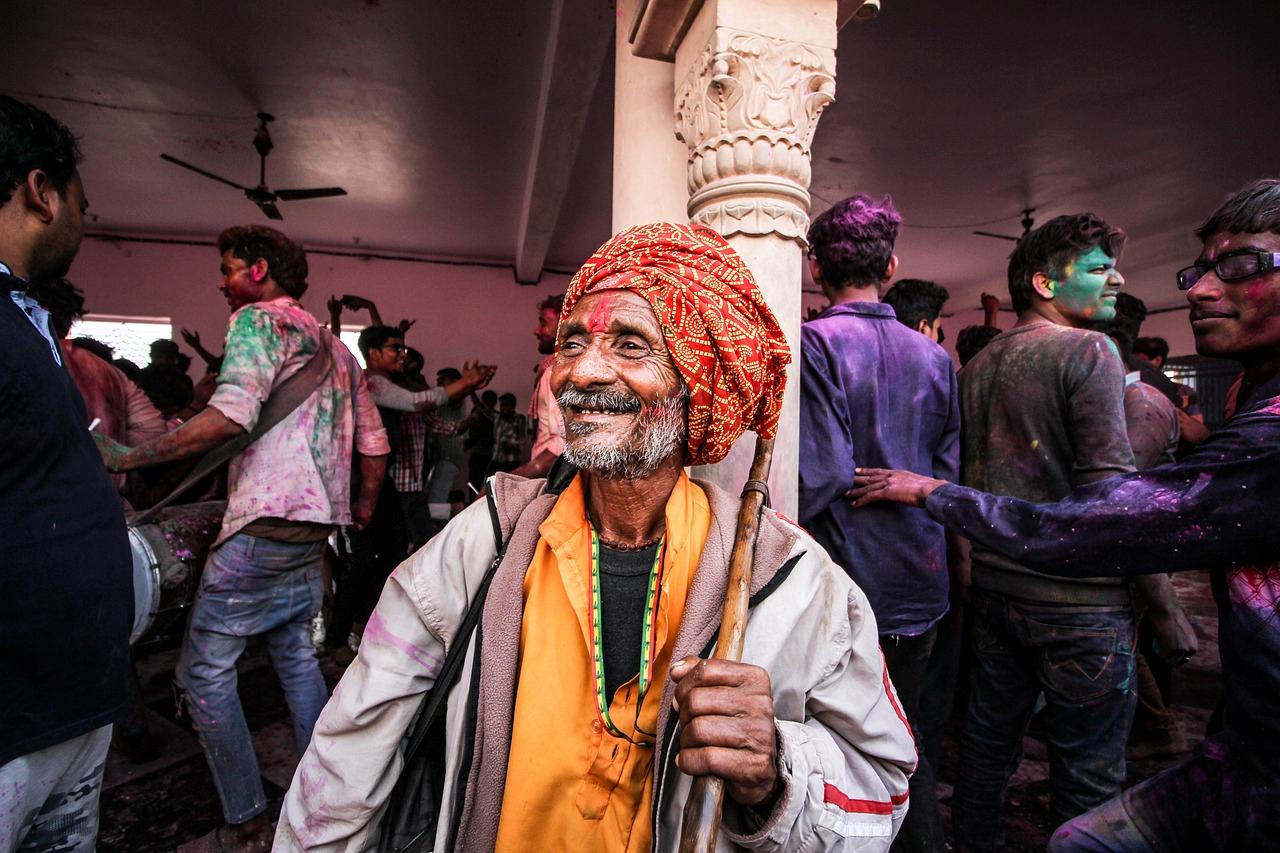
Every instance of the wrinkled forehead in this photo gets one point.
(612, 310)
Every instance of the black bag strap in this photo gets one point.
(452, 666)
(557, 482)
(279, 404)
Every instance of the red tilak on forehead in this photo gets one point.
(601, 312)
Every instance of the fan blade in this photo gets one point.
(997, 236)
(175, 161)
(268, 207)
(318, 192)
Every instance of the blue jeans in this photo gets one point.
(251, 586)
(1082, 659)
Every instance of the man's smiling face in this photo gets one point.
(1238, 318)
(618, 386)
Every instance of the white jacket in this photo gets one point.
(846, 748)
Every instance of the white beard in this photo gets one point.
(658, 433)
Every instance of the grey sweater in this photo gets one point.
(1043, 413)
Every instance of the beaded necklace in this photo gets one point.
(647, 638)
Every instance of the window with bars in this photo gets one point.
(128, 337)
(1211, 378)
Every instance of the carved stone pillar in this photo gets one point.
(747, 110)
(752, 79)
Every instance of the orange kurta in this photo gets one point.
(571, 784)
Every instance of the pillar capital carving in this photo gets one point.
(747, 110)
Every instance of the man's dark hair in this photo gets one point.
(1152, 348)
(62, 299)
(1119, 332)
(1052, 246)
(448, 374)
(914, 299)
(1254, 209)
(286, 260)
(164, 345)
(95, 346)
(972, 339)
(1131, 311)
(853, 240)
(376, 337)
(552, 303)
(489, 397)
(507, 398)
(414, 360)
(128, 368)
(32, 139)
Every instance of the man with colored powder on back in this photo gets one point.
(586, 708)
(1213, 509)
(64, 556)
(875, 389)
(286, 493)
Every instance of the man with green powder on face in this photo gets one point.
(1043, 412)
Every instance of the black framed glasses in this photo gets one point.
(396, 348)
(1232, 266)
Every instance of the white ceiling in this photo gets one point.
(1145, 111)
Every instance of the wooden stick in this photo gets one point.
(701, 822)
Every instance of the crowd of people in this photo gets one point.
(525, 605)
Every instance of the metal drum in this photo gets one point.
(168, 555)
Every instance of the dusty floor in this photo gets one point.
(164, 803)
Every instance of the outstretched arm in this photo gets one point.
(356, 303)
(1215, 506)
(193, 341)
(198, 436)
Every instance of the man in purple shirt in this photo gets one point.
(873, 389)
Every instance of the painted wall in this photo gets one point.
(463, 313)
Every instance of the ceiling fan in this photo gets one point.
(1028, 222)
(264, 197)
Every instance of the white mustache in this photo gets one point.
(599, 401)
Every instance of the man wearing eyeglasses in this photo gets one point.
(1215, 509)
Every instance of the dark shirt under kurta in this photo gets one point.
(877, 394)
(1043, 410)
(1216, 510)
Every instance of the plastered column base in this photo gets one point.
(649, 162)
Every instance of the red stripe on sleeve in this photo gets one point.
(838, 798)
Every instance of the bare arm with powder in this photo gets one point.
(207, 430)
(373, 470)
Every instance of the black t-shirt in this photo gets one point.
(65, 566)
(624, 585)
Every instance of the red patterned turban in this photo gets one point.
(725, 341)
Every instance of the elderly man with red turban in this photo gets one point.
(582, 704)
